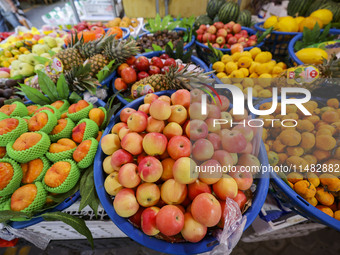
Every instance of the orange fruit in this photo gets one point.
(305, 189)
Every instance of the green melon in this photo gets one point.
(228, 12)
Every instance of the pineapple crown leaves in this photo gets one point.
(120, 50)
(94, 47)
(215, 54)
(102, 74)
(179, 52)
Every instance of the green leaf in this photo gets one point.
(264, 35)
(34, 95)
(170, 44)
(179, 49)
(47, 86)
(59, 198)
(74, 97)
(75, 222)
(148, 50)
(102, 74)
(87, 191)
(9, 214)
(42, 60)
(156, 47)
(187, 57)
(51, 52)
(62, 87)
(17, 77)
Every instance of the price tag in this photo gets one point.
(302, 74)
(54, 67)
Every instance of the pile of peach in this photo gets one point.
(151, 165)
(22, 177)
(311, 149)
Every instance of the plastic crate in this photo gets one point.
(136, 234)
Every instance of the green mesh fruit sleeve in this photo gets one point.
(88, 159)
(31, 153)
(16, 179)
(55, 110)
(64, 107)
(70, 181)
(20, 110)
(46, 166)
(15, 133)
(91, 129)
(39, 200)
(55, 157)
(82, 114)
(65, 133)
(3, 116)
(6, 205)
(51, 122)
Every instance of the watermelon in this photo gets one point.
(213, 7)
(203, 19)
(228, 12)
(298, 7)
(244, 18)
(315, 6)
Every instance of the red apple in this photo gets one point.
(240, 199)
(198, 129)
(179, 146)
(150, 169)
(237, 36)
(148, 221)
(232, 40)
(142, 75)
(203, 27)
(206, 37)
(156, 61)
(212, 38)
(215, 139)
(165, 69)
(170, 220)
(119, 158)
(193, 231)
(170, 62)
(222, 32)
(142, 64)
(125, 114)
(154, 70)
(200, 37)
(220, 40)
(202, 150)
(234, 142)
(206, 209)
(243, 178)
(244, 33)
(164, 56)
(196, 188)
(219, 25)
(211, 29)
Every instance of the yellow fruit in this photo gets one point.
(264, 80)
(237, 74)
(253, 75)
(258, 88)
(270, 22)
(254, 51)
(265, 93)
(239, 85)
(324, 15)
(277, 70)
(226, 58)
(299, 19)
(218, 66)
(236, 56)
(230, 67)
(309, 22)
(312, 55)
(246, 54)
(263, 57)
(225, 80)
(221, 75)
(264, 68)
(245, 71)
(287, 24)
(252, 68)
(244, 62)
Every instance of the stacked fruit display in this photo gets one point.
(241, 68)
(44, 150)
(87, 26)
(310, 148)
(155, 182)
(124, 22)
(225, 35)
(5, 35)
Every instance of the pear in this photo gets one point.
(31, 59)
(40, 49)
(14, 72)
(50, 41)
(26, 69)
(45, 55)
(15, 64)
(23, 58)
(56, 49)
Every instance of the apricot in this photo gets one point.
(324, 131)
(23, 197)
(290, 137)
(26, 141)
(325, 209)
(44, 108)
(61, 124)
(312, 201)
(78, 106)
(32, 108)
(330, 181)
(282, 158)
(58, 104)
(297, 162)
(324, 197)
(278, 146)
(325, 142)
(82, 150)
(6, 174)
(31, 170)
(8, 125)
(337, 215)
(329, 127)
(321, 155)
(307, 140)
(311, 159)
(63, 115)
(2, 152)
(305, 126)
(290, 116)
(333, 102)
(294, 177)
(38, 121)
(8, 109)
(314, 118)
(305, 189)
(78, 132)
(295, 151)
(63, 144)
(97, 115)
(57, 174)
(330, 116)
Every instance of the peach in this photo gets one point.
(234, 141)
(128, 176)
(154, 144)
(178, 114)
(23, 197)
(249, 160)
(215, 140)
(155, 126)
(132, 142)
(167, 169)
(107, 165)
(243, 178)
(149, 98)
(137, 122)
(223, 157)
(78, 106)
(196, 188)
(195, 112)
(110, 143)
(112, 185)
(246, 131)
(208, 172)
(186, 127)
(78, 132)
(97, 115)
(26, 141)
(150, 169)
(61, 124)
(172, 129)
(202, 150)
(125, 114)
(31, 109)
(206, 209)
(165, 99)
(116, 128)
(42, 109)
(122, 132)
(184, 170)
(148, 194)
(119, 158)
(125, 203)
(57, 174)
(6, 174)
(37, 122)
(225, 187)
(148, 220)
(63, 115)
(160, 110)
(196, 95)
(57, 104)
(170, 220)
(173, 192)
(240, 199)
(181, 97)
(63, 144)
(2, 152)
(198, 129)
(31, 170)
(179, 146)
(193, 231)
(225, 102)
(212, 127)
(144, 108)
(7, 125)
(8, 109)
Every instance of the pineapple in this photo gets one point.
(79, 79)
(121, 50)
(175, 79)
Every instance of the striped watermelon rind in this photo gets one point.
(228, 12)
(213, 7)
(244, 18)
